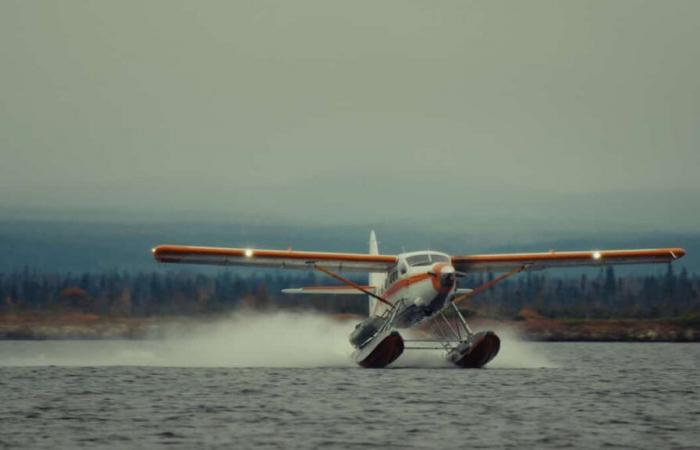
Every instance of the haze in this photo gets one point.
(336, 112)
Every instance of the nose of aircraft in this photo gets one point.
(447, 276)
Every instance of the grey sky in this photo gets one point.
(339, 109)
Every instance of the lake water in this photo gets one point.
(185, 393)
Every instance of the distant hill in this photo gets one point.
(64, 246)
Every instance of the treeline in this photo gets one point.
(604, 295)
(160, 293)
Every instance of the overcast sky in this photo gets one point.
(339, 110)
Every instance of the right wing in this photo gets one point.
(286, 259)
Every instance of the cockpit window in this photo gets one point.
(419, 260)
(426, 259)
(436, 257)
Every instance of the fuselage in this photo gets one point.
(420, 285)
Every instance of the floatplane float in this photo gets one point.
(411, 290)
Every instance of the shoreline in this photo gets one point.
(78, 326)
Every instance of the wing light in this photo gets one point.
(248, 253)
(597, 255)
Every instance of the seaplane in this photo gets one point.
(411, 291)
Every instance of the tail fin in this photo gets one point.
(373, 246)
(375, 279)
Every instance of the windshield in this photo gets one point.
(426, 259)
(439, 258)
(419, 260)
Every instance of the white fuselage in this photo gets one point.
(420, 285)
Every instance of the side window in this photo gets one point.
(392, 277)
(402, 268)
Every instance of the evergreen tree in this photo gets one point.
(610, 284)
(669, 283)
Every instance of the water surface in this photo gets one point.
(585, 395)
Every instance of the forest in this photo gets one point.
(150, 294)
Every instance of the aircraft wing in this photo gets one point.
(510, 261)
(288, 259)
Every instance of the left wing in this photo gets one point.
(510, 261)
(287, 259)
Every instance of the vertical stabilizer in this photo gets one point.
(373, 246)
(375, 279)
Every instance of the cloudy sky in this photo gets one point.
(330, 111)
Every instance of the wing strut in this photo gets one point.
(352, 284)
(478, 290)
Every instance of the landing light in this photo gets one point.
(597, 255)
(248, 253)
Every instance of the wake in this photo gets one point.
(244, 339)
(241, 340)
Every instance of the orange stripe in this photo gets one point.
(405, 282)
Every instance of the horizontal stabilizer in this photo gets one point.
(460, 291)
(329, 290)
